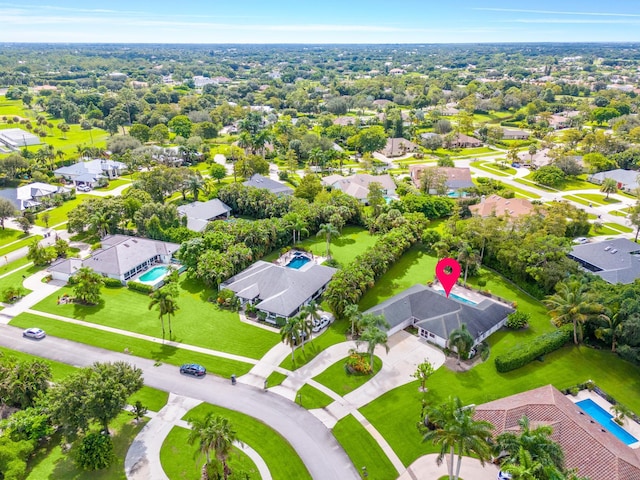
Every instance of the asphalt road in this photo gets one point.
(316, 446)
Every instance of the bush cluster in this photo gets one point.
(517, 320)
(140, 287)
(357, 364)
(112, 282)
(522, 354)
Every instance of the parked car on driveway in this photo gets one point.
(34, 332)
(193, 369)
(83, 188)
(581, 240)
(321, 323)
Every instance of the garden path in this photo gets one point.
(471, 469)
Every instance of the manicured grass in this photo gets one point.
(52, 463)
(113, 184)
(363, 450)
(181, 461)
(276, 378)
(59, 214)
(282, 460)
(197, 322)
(395, 413)
(486, 168)
(310, 397)
(575, 198)
(604, 230)
(24, 242)
(619, 213)
(529, 183)
(151, 398)
(15, 279)
(8, 235)
(351, 243)
(340, 381)
(617, 226)
(8, 267)
(599, 198)
(523, 193)
(140, 348)
(573, 183)
(335, 333)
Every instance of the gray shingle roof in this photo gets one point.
(280, 290)
(121, 253)
(628, 178)
(259, 181)
(199, 213)
(616, 261)
(438, 314)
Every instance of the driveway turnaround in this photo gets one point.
(318, 449)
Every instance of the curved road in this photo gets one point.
(314, 443)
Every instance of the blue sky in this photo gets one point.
(319, 21)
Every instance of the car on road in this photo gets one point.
(34, 332)
(516, 165)
(321, 323)
(83, 188)
(581, 240)
(193, 369)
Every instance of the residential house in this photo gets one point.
(537, 160)
(627, 180)
(615, 261)
(32, 195)
(344, 121)
(497, 206)
(279, 291)
(397, 147)
(436, 316)
(458, 179)
(381, 103)
(357, 186)
(514, 134)
(258, 181)
(460, 140)
(120, 257)
(16, 138)
(588, 448)
(199, 214)
(91, 172)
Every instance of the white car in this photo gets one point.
(36, 333)
(581, 240)
(323, 322)
(83, 188)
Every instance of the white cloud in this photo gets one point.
(557, 12)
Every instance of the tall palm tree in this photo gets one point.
(612, 330)
(536, 442)
(328, 230)
(213, 434)
(194, 185)
(467, 256)
(353, 314)
(609, 185)
(572, 304)
(455, 429)
(373, 336)
(462, 340)
(164, 300)
(290, 332)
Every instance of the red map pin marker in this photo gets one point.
(448, 280)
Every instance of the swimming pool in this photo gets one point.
(154, 274)
(458, 298)
(605, 419)
(298, 261)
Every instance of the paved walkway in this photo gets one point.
(426, 467)
(148, 442)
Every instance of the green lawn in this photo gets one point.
(59, 214)
(617, 226)
(577, 199)
(113, 184)
(140, 348)
(310, 397)
(24, 242)
(494, 168)
(597, 198)
(276, 378)
(12, 107)
(529, 183)
(351, 243)
(282, 460)
(15, 279)
(363, 450)
(50, 462)
(8, 267)
(197, 322)
(335, 333)
(151, 398)
(181, 461)
(8, 235)
(573, 183)
(340, 381)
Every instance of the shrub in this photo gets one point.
(357, 364)
(517, 320)
(13, 294)
(140, 287)
(522, 354)
(112, 282)
(482, 282)
(95, 452)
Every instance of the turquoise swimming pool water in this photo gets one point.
(605, 419)
(298, 261)
(153, 274)
(458, 298)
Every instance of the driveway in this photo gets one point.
(314, 443)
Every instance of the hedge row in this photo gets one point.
(112, 282)
(140, 287)
(522, 354)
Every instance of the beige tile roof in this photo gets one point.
(513, 207)
(593, 451)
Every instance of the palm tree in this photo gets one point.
(524, 467)
(571, 304)
(100, 222)
(214, 434)
(373, 336)
(194, 185)
(297, 224)
(609, 185)
(163, 299)
(536, 442)
(455, 428)
(352, 313)
(462, 340)
(328, 230)
(290, 332)
(467, 256)
(612, 330)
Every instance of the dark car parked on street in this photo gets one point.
(193, 369)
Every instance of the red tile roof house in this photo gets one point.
(589, 448)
